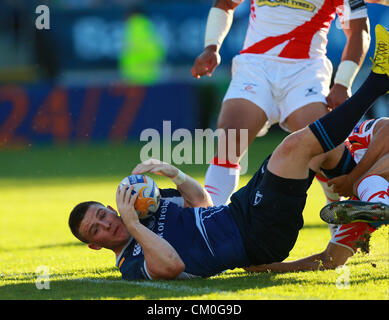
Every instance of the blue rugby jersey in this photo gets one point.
(206, 239)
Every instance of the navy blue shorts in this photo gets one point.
(268, 212)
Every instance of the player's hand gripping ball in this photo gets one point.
(149, 196)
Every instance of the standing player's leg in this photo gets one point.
(292, 156)
(222, 176)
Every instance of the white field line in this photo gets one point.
(185, 288)
(178, 287)
(156, 285)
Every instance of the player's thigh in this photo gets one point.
(240, 120)
(241, 113)
(305, 115)
(248, 102)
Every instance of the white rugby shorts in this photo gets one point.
(279, 86)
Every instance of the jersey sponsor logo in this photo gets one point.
(162, 218)
(137, 249)
(294, 4)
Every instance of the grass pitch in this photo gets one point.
(40, 259)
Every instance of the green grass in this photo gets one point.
(40, 185)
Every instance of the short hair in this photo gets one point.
(76, 216)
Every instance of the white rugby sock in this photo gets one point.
(331, 196)
(221, 181)
(373, 188)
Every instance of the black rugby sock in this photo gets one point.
(332, 129)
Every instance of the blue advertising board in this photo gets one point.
(89, 39)
(93, 38)
(47, 113)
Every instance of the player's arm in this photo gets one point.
(218, 25)
(191, 190)
(357, 32)
(305, 264)
(161, 259)
(378, 147)
(331, 258)
(193, 193)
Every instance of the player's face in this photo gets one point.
(102, 227)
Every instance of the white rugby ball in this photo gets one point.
(149, 196)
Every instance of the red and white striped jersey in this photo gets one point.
(359, 140)
(354, 235)
(295, 29)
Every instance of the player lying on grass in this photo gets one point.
(363, 170)
(259, 226)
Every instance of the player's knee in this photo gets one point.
(290, 145)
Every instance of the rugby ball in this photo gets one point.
(149, 196)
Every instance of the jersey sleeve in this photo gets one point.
(352, 9)
(173, 195)
(134, 268)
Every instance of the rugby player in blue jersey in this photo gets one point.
(259, 226)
